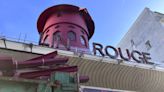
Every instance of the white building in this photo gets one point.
(147, 35)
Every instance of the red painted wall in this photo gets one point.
(64, 22)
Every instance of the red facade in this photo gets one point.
(66, 27)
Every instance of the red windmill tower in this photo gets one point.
(66, 27)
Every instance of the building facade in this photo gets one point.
(105, 74)
(147, 35)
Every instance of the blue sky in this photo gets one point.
(112, 18)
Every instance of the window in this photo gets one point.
(57, 26)
(46, 40)
(83, 31)
(133, 44)
(47, 31)
(148, 45)
(71, 36)
(56, 36)
(82, 40)
(56, 39)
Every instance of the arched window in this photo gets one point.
(56, 36)
(45, 40)
(56, 39)
(82, 31)
(47, 31)
(71, 36)
(82, 40)
(57, 26)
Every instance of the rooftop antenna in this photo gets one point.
(1, 35)
(19, 37)
(25, 38)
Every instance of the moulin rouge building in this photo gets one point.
(67, 29)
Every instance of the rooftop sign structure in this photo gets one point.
(139, 57)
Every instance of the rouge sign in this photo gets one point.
(139, 57)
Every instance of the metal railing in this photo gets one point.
(18, 40)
